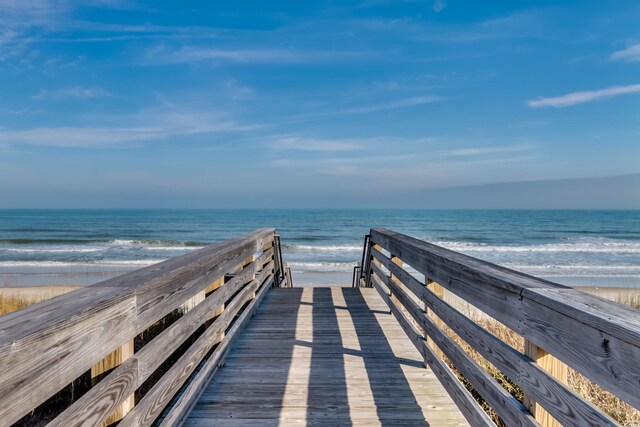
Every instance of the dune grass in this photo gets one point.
(9, 304)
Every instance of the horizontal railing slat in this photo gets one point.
(154, 402)
(460, 395)
(100, 401)
(163, 287)
(185, 402)
(46, 346)
(599, 343)
(507, 406)
(562, 402)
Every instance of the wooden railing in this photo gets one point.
(596, 337)
(212, 292)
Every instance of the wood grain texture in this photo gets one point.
(150, 407)
(46, 346)
(562, 402)
(556, 369)
(101, 369)
(508, 407)
(597, 337)
(474, 414)
(340, 359)
(163, 287)
(188, 398)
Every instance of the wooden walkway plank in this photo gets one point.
(324, 356)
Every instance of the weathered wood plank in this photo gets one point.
(508, 407)
(185, 403)
(466, 403)
(562, 402)
(163, 287)
(46, 346)
(100, 369)
(326, 366)
(556, 369)
(161, 393)
(525, 303)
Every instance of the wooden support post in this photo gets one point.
(193, 301)
(212, 287)
(556, 369)
(100, 369)
(438, 290)
(397, 261)
(253, 276)
(374, 261)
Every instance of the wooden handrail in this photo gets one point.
(47, 346)
(597, 337)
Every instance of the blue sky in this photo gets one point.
(117, 103)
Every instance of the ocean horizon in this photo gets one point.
(41, 247)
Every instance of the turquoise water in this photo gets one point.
(84, 246)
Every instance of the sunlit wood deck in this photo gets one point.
(324, 356)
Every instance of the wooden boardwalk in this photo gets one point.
(145, 348)
(324, 356)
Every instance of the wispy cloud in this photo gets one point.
(575, 98)
(71, 92)
(308, 144)
(392, 105)
(479, 151)
(161, 55)
(632, 53)
(439, 5)
(373, 108)
(146, 126)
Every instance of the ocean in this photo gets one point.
(80, 247)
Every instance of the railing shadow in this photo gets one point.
(392, 393)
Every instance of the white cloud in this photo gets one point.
(160, 55)
(632, 53)
(575, 98)
(237, 90)
(390, 105)
(151, 125)
(307, 144)
(439, 5)
(71, 92)
(478, 151)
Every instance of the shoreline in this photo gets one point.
(29, 292)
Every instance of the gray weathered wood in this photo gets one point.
(46, 346)
(523, 302)
(508, 407)
(324, 356)
(148, 409)
(99, 402)
(561, 401)
(163, 287)
(466, 403)
(188, 398)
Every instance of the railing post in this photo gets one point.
(371, 259)
(556, 369)
(397, 261)
(253, 276)
(438, 290)
(103, 367)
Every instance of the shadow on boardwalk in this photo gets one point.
(315, 356)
